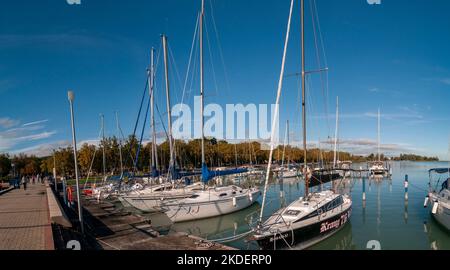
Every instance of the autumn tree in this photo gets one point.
(5, 165)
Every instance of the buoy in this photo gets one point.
(435, 208)
(406, 187)
(234, 202)
(427, 199)
(250, 197)
(281, 194)
(364, 189)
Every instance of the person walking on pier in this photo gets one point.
(21, 182)
(25, 184)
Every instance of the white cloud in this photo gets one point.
(21, 136)
(368, 146)
(6, 122)
(35, 123)
(35, 137)
(42, 150)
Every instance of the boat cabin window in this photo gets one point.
(223, 195)
(163, 189)
(445, 185)
(335, 203)
(293, 213)
(194, 197)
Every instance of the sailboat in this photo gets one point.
(311, 218)
(378, 168)
(149, 199)
(343, 167)
(288, 171)
(439, 197)
(211, 201)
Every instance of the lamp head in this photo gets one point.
(71, 95)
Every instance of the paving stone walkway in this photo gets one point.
(24, 219)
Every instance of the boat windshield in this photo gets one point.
(445, 185)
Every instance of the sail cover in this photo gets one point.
(207, 175)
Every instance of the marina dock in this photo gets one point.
(27, 222)
(114, 228)
(25, 219)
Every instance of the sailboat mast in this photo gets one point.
(304, 96)
(235, 155)
(151, 77)
(169, 111)
(202, 89)
(288, 144)
(277, 112)
(120, 145)
(285, 143)
(379, 136)
(103, 143)
(336, 135)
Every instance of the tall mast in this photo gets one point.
(304, 97)
(169, 112)
(103, 142)
(151, 78)
(288, 144)
(250, 152)
(235, 155)
(202, 86)
(120, 145)
(379, 136)
(336, 135)
(285, 143)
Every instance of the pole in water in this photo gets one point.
(281, 188)
(71, 98)
(364, 189)
(406, 211)
(406, 187)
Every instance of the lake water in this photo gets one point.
(384, 217)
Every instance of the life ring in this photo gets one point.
(69, 194)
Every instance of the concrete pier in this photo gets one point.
(25, 219)
(36, 219)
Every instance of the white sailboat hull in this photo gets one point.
(150, 204)
(290, 174)
(442, 210)
(186, 211)
(149, 200)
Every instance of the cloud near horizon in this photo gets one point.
(14, 136)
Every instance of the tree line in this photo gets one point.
(187, 155)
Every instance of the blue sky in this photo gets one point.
(392, 56)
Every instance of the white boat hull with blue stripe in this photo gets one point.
(211, 202)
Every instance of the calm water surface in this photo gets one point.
(384, 217)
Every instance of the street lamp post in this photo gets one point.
(74, 142)
(54, 172)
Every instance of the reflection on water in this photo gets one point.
(384, 216)
(220, 227)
